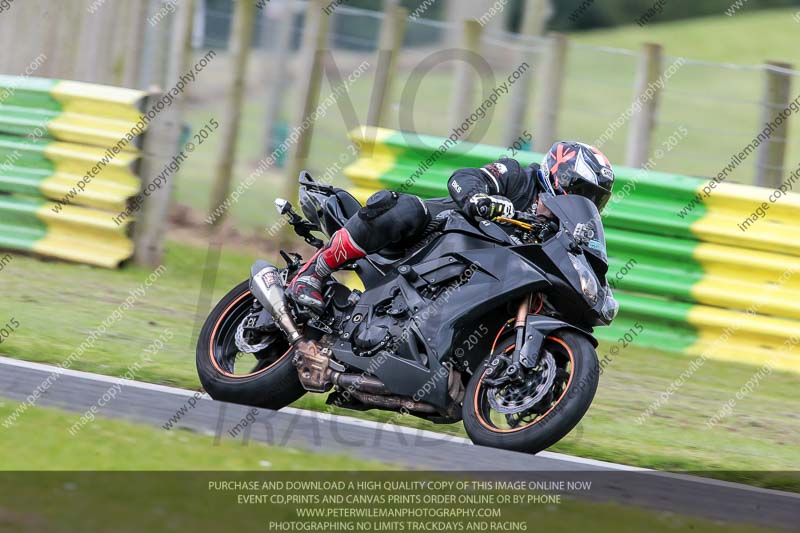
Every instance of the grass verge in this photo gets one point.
(81, 496)
(57, 305)
(39, 441)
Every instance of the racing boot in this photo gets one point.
(306, 287)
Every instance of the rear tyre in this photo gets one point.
(269, 379)
(549, 420)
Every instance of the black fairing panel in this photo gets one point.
(458, 235)
(497, 276)
(456, 223)
(572, 210)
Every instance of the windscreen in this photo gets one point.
(311, 205)
(579, 216)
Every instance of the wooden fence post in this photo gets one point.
(315, 38)
(537, 13)
(117, 42)
(548, 97)
(199, 24)
(241, 40)
(646, 96)
(68, 46)
(161, 144)
(466, 78)
(7, 39)
(153, 36)
(49, 18)
(391, 42)
(179, 59)
(137, 18)
(26, 17)
(94, 52)
(278, 67)
(772, 153)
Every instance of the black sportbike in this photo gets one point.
(485, 322)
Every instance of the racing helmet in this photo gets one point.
(576, 168)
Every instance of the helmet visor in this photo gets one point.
(574, 183)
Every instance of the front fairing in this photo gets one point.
(579, 217)
(578, 248)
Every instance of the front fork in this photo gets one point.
(528, 342)
(519, 326)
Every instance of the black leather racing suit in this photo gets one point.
(395, 219)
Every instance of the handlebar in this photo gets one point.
(519, 223)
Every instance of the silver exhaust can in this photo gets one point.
(267, 287)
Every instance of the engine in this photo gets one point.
(391, 327)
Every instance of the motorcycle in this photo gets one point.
(489, 323)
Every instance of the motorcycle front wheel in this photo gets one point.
(266, 378)
(534, 412)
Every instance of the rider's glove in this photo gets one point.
(489, 207)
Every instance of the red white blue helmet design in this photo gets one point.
(577, 168)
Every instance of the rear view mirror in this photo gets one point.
(283, 206)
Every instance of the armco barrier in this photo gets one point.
(52, 134)
(696, 282)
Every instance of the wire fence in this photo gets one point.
(719, 105)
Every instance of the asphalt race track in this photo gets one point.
(421, 450)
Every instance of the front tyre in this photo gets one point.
(524, 417)
(266, 378)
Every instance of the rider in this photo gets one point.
(499, 189)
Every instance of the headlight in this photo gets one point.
(589, 284)
(610, 307)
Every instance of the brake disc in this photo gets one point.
(514, 397)
(244, 346)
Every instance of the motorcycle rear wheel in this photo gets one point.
(554, 417)
(272, 383)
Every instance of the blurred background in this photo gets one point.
(718, 93)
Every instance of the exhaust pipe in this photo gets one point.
(393, 402)
(267, 287)
(361, 383)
